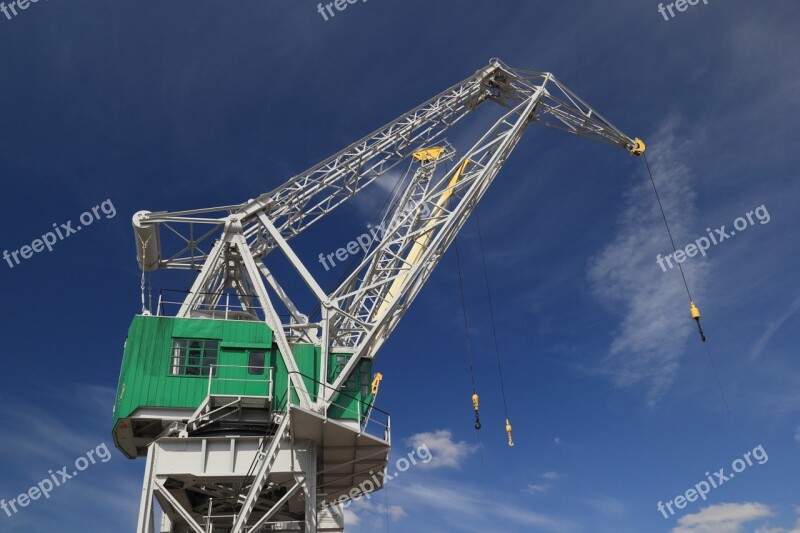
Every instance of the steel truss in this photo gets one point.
(230, 245)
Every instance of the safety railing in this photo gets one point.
(344, 407)
(231, 383)
(218, 307)
(228, 307)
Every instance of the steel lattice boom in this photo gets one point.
(230, 248)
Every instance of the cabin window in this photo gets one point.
(193, 357)
(255, 364)
(365, 382)
(351, 385)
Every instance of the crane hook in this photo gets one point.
(696, 316)
(508, 430)
(477, 415)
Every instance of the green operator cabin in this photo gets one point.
(167, 373)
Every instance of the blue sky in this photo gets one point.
(177, 105)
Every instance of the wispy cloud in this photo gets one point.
(446, 452)
(351, 518)
(772, 328)
(795, 529)
(606, 505)
(373, 200)
(39, 433)
(426, 501)
(538, 488)
(722, 518)
(48, 429)
(475, 508)
(647, 347)
(373, 515)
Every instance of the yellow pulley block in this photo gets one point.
(477, 416)
(508, 430)
(696, 316)
(638, 148)
(694, 310)
(376, 383)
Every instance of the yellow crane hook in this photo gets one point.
(696, 316)
(477, 416)
(508, 430)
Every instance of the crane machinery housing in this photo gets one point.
(253, 415)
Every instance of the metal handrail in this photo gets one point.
(269, 378)
(226, 306)
(361, 406)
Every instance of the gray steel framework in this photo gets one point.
(229, 245)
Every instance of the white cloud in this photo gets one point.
(372, 199)
(537, 489)
(396, 512)
(605, 505)
(446, 452)
(44, 439)
(722, 518)
(772, 328)
(795, 529)
(475, 507)
(40, 435)
(351, 518)
(371, 515)
(655, 324)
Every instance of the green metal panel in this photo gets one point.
(197, 329)
(356, 395)
(145, 379)
(234, 376)
(307, 358)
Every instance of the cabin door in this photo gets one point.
(241, 372)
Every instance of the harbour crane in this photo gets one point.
(254, 416)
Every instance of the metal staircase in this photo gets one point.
(265, 461)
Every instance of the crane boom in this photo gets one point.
(243, 413)
(359, 314)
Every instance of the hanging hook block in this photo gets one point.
(477, 415)
(508, 430)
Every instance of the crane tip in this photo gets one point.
(638, 147)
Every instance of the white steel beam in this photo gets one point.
(273, 320)
(277, 507)
(178, 508)
(260, 477)
(145, 524)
